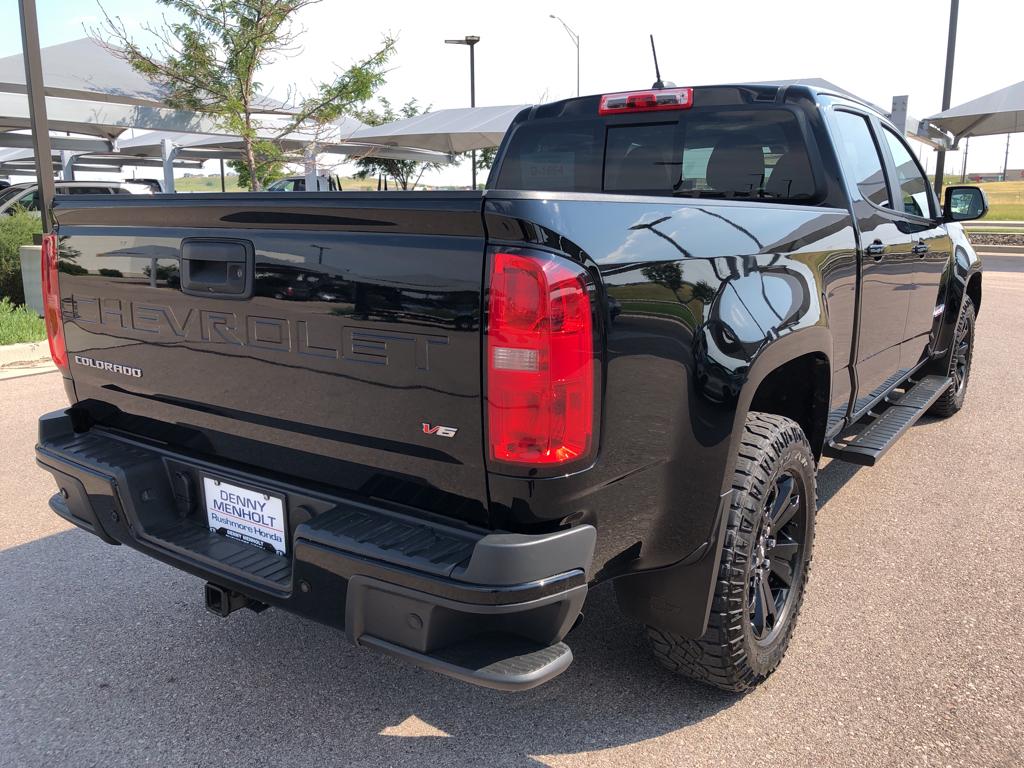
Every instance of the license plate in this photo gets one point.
(252, 517)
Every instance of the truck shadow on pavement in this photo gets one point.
(831, 479)
(110, 658)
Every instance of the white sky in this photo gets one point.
(874, 48)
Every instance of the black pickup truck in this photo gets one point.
(622, 361)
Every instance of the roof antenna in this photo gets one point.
(657, 72)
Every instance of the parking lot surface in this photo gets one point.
(908, 652)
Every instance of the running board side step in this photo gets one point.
(881, 434)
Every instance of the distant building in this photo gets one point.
(1012, 174)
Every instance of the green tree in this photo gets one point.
(703, 292)
(667, 274)
(485, 158)
(209, 61)
(268, 171)
(406, 173)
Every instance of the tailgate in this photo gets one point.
(329, 337)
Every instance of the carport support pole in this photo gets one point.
(472, 98)
(37, 108)
(947, 90)
(309, 161)
(167, 153)
(67, 165)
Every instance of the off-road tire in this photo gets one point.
(728, 656)
(952, 399)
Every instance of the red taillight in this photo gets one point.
(51, 303)
(540, 361)
(646, 101)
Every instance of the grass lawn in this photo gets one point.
(18, 324)
(206, 184)
(1005, 199)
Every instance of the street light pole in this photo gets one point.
(471, 41)
(1006, 157)
(576, 41)
(947, 88)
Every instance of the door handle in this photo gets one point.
(920, 248)
(876, 249)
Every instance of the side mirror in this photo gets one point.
(964, 203)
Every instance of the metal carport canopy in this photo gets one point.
(228, 147)
(998, 112)
(452, 131)
(22, 161)
(91, 91)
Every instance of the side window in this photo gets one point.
(912, 184)
(85, 191)
(29, 202)
(860, 156)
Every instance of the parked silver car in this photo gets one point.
(25, 196)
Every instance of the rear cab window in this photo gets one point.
(753, 152)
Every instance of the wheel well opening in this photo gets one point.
(798, 390)
(974, 291)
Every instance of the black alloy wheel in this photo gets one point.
(958, 367)
(765, 562)
(777, 559)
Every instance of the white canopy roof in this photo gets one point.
(91, 91)
(22, 162)
(451, 131)
(1001, 111)
(211, 147)
(85, 69)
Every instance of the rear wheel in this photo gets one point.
(765, 561)
(959, 368)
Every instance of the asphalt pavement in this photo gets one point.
(909, 649)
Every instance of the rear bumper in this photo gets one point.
(489, 608)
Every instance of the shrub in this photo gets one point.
(15, 231)
(70, 268)
(18, 324)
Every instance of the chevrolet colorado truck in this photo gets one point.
(620, 362)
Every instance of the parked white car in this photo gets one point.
(298, 184)
(25, 196)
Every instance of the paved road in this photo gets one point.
(908, 651)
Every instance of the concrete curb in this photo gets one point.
(30, 354)
(1005, 250)
(20, 373)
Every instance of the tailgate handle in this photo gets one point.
(217, 267)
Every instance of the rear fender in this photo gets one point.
(677, 597)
